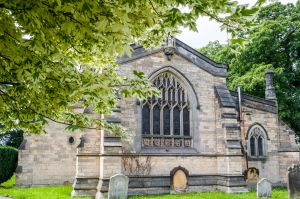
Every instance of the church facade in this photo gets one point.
(196, 129)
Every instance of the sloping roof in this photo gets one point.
(230, 99)
(256, 102)
(224, 96)
(183, 50)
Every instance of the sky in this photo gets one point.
(210, 30)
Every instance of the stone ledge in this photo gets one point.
(144, 183)
(229, 116)
(175, 154)
(288, 151)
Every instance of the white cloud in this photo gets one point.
(210, 30)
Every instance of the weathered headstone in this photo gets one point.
(264, 188)
(294, 181)
(118, 187)
(179, 180)
(252, 175)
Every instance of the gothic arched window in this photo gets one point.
(166, 119)
(257, 142)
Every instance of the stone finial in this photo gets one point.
(170, 46)
(270, 93)
(170, 41)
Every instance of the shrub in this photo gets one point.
(8, 162)
(12, 138)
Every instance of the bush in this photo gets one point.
(8, 162)
(12, 138)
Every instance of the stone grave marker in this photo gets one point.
(252, 175)
(179, 180)
(118, 187)
(264, 188)
(294, 181)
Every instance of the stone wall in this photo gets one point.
(269, 167)
(282, 150)
(203, 120)
(214, 161)
(48, 159)
(209, 156)
(286, 160)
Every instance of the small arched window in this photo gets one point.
(257, 142)
(166, 119)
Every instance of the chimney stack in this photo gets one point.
(270, 89)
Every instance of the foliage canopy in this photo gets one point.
(274, 43)
(54, 54)
(12, 138)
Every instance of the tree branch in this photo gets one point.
(154, 8)
(10, 83)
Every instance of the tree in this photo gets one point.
(12, 138)
(54, 54)
(273, 43)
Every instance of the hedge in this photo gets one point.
(8, 162)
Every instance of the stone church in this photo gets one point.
(197, 136)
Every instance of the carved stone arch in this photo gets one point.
(173, 173)
(186, 82)
(256, 124)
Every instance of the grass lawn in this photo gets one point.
(276, 194)
(58, 192)
(63, 192)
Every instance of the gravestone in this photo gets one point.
(264, 188)
(118, 187)
(179, 180)
(294, 181)
(252, 175)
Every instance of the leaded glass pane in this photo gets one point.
(156, 120)
(186, 122)
(176, 121)
(260, 146)
(252, 146)
(166, 122)
(146, 120)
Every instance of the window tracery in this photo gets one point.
(257, 142)
(166, 119)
